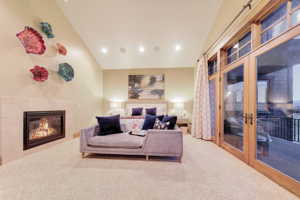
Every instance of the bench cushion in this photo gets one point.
(120, 140)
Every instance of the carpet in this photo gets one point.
(207, 172)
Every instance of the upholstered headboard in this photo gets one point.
(161, 106)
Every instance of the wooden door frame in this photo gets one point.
(274, 174)
(242, 155)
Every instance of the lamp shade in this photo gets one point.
(114, 105)
(179, 105)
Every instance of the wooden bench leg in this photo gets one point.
(147, 157)
(82, 155)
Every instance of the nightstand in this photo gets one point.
(184, 125)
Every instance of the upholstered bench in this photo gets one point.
(119, 140)
(155, 143)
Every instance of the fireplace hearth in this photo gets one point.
(41, 127)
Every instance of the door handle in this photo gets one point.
(246, 118)
(251, 118)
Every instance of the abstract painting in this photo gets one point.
(146, 87)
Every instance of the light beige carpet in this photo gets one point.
(206, 173)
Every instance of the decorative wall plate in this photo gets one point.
(61, 49)
(47, 29)
(40, 74)
(66, 71)
(32, 41)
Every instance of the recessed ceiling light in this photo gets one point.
(142, 49)
(178, 47)
(122, 50)
(66, 1)
(104, 50)
(156, 48)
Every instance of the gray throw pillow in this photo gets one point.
(160, 125)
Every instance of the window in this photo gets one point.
(239, 49)
(212, 98)
(295, 3)
(212, 67)
(277, 22)
(274, 24)
(295, 13)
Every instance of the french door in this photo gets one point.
(260, 109)
(274, 139)
(234, 129)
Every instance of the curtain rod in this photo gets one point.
(247, 5)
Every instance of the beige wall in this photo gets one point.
(81, 98)
(179, 85)
(228, 10)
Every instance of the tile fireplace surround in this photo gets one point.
(11, 123)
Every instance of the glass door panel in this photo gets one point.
(278, 108)
(233, 99)
(213, 110)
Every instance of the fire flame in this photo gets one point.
(43, 130)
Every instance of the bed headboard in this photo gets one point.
(161, 106)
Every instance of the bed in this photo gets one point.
(161, 106)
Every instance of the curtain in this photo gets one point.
(201, 121)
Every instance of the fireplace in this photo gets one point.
(41, 127)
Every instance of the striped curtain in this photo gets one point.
(201, 126)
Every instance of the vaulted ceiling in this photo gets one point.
(125, 34)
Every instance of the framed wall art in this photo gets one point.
(148, 87)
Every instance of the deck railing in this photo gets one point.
(284, 128)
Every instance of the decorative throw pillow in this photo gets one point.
(160, 117)
(160, 125)
(150, 111)
(109, 125)
(172, 121)
(149, 122)
(136, 111)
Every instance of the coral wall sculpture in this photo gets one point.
(40, 74)
(32, 41)
(66, 71)
(61, 49)
(47, 29)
